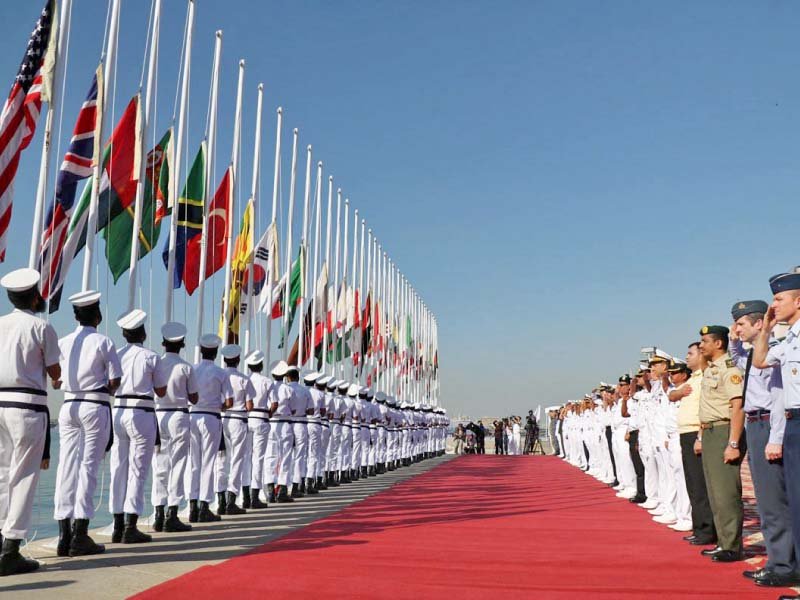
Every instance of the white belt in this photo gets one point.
(23, 397)
(95, 396)
(133, 403)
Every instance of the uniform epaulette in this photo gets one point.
(729, 363)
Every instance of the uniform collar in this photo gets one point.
(795, 329)
(720, 362)
(87, 328)
(27, 311)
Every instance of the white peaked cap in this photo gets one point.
(323, 379)
(352, 391)
(20, 280)
(231, 351)
(254, 358)
(280, 369)
(132, 319)
(342, 385)
(380, 397)
(363, 390)
(210, 341)
(173, 331)
(310, 377)
(290, 368)
(86, 298)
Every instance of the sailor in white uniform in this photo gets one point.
(302, 406)
(281, 436)
(374, 423)
(234, 429)
(335, 420)
(258, 426)
(321, 385)
(134, 429)
(383, 415)
(358, 436)
(91, 373)
(314, 430)
(214, 393)
(349, 433)
(29, 346)
(172, 413)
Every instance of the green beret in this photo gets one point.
(715, 329)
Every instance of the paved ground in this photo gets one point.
(124, 570)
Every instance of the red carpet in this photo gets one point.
(477, 527)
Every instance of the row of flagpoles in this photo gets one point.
(360, 319)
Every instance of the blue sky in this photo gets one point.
(563, 182)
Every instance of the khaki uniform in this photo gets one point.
(722, 382)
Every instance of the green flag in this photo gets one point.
(119, 232)
(295, 292)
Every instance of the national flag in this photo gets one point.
(216, 237)
(22, 108)
(64, 224)
(242, 256)
(278, 292)
(119, 232)
(296, 278)
(265, 268)
(189, 215)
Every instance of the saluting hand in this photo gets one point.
(770, 320)
(773, 451)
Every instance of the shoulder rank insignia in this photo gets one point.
(736, 379)
(729, 363)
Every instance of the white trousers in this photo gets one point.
(346, 449)
(206, 433)
(314, 431)
(83, 428)
(667, 492)
(647, 455)
(373, 446)
(325, 442)
(259, 437)
(279, 453)
(335, 447)
(300, 452)
(380, 452)
(169, 461)
(131, 455)
(682, 506)
(622, 458)
(355, 458)
(366, 438)
(22, 436)
(229, 465)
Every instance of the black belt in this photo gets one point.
(234, 417)
(183, 410)
(793, 413)
(264, 411)
(134, 397)
(325, 424)
(149, 409)
(101, 403)
(24, 390)
(204, 412)
(280, 421)
(100, 390)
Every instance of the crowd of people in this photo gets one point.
(508, 432)
(671, 438)
(212, 434)
(469, 438)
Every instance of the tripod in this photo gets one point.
(533, 445)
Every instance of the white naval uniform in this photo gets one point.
(134, 430)
(301, 403)
(313, 469)
(213, 388)
(281, 436)
(375, 415)
(29, 345)
(358, 440)
(335, 445)
(327, 432)
(346, 450)
(380, 452)
(228, 470)
(258, 426)
(172, 412)
(89, 363)
(366, 430)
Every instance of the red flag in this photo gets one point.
(216, 226)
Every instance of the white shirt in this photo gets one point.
(301, 400)
(28, 344)
(282, 394)
(241, 387)
(213, 387)
(787, 355)
(178, 377)
(89, 362)
(262, 386)
(318, 399)
(138, 371)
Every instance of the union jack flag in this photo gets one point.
(54, 261)
(21, 112)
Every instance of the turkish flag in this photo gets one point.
(216, 230)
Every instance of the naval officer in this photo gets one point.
(281, 436)
(258, 426)
(172, 412)
(30, 349)
(302, 405)
(134, 429)
(314, 430)
(214, 393)
(91, 372)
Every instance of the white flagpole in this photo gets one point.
(212, 134)
(317, 235)
(44, 165)
(360, 333)
(137, 207)
(327, 284)
(176, 174)
(292, 185)
(271, 259)
(380, 305)
(108, 76)
(350, 316)
(335, 308)
(256, 210)
(230, 210)
(304, 258)
(368, 303)
(343, 283)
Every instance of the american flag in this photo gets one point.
(21, 112)
(78, 161)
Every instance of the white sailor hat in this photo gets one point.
(133, 319)
(323, 379)
(363, 391)
(173, 331)
(292, 368)
(210, 341)
(380, 397)
(417, 406)
(86, 298)
(279, 369)
(342, 385)
(254, 358)
(352, 391)
(310, 377)
(231, 351)
(332, 384)
(20, 280)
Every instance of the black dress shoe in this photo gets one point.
(771, 579)
(754, 574)
(703, 542)
(710, 551)
(638, 499)
(690, 538)
(726, 556)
